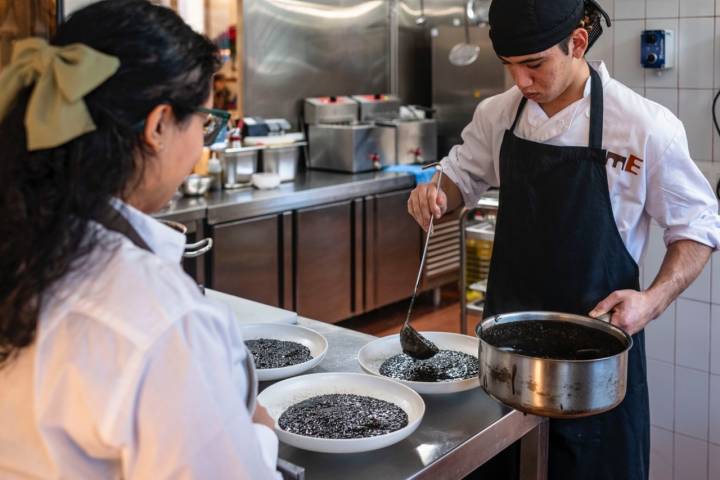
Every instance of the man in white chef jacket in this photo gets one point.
(583, 164)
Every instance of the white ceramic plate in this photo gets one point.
(317, 344)
(372, 355)
(279, 397)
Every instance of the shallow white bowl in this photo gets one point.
(317, 344)
(265, 181)
(372, 355)
(279, 397)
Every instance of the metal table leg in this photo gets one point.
(534, 453)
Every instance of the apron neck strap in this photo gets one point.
(113, 220)
(596, 110)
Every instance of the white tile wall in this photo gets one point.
(663, 8)
(715, 278)
(691, 402)
(661, 454)
(697, 8)
(715, 409)
(661, 381)
(717, 47)
(668, 97)
(694, 111)
(691, 458)
(603, 50)
(715, 338)
(660, 336)
(692, 331)
(629, 9)
(609, 6)
(626, 54)
(696, 41)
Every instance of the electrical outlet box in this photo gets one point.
(657, 49)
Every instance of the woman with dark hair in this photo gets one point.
(112, 364)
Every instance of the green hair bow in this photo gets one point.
(56, 112)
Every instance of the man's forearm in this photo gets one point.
(683, 262)
(452, 192)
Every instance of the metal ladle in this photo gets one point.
(411, 341)
(420, 21)
(463, 54)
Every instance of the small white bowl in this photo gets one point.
(279, 397)
(317, 344)
(372, 355)
(265, 181)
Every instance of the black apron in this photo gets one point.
(557, 248)
(114, 221)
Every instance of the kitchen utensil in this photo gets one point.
(239, 163)
(464, 54)
(317, 344)
(282, 160)
(279, 397)
(572, 378)
(478, 11)
(196, 185)
(412, 342)
(265, 181)
(372, 356)
(192, 250)
(421, 20)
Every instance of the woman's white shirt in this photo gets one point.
(133, 374)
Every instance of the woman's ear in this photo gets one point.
(157, 126)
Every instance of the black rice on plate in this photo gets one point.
(446, 365)
(269, 353)
(343, 416)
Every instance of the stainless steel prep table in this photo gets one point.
(308, 189)
(459, 432)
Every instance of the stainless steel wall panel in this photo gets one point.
(296, 49)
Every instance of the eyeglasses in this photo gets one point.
(215, 121)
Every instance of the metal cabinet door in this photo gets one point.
(393, 242)
(324, 262)
(246, 259)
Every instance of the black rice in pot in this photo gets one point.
(269, 353)
(444, 366)
(342, 415)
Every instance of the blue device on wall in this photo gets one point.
(657, 49)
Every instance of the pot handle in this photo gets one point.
(196, 249)
(605, 317)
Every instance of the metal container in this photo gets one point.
(192, 250)
(415, 140)
(282, 160)
(350, 148)
(377, 107)
(330, 110)
(238, 166)
(196, 185)
(551, 387)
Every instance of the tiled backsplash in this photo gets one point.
(683, 350)
(689, 88)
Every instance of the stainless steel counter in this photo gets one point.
(309, 189)
(459, 432)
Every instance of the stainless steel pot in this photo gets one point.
(192, 250)
(551, 387)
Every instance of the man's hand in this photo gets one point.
(425, 202)
(631, 310)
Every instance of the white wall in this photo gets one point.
(683, 345)
(683, 351)
(688, 89)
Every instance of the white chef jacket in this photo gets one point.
(133, 374)
(649, 169)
